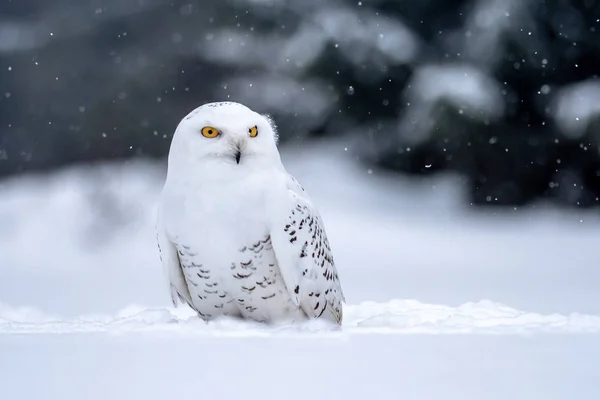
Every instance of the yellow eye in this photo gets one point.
(210, 132)
(253, 131)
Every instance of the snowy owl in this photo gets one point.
(237, 235)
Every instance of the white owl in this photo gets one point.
(238, 236)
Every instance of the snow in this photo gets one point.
(444, 302)
(16, 36)
(99, 367)
(483, 39)
(393, 317)
(464, 86)
(576, 107)
(355, 30)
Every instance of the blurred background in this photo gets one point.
(462, 137)
(504, 92)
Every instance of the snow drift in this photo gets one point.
(394, 317)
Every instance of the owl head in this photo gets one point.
(224, 135)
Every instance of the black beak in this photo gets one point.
(238, 155)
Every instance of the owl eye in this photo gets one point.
(253, 131)
(210, 132)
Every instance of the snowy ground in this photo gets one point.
(456, 304)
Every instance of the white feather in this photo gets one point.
(304, 255)
(171, 266)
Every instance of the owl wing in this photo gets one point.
(171, 265)
(304, 256)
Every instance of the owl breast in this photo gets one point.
(227, 257)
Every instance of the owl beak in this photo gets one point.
(235, 147)
(237, 151)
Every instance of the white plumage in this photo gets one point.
(238, 235)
